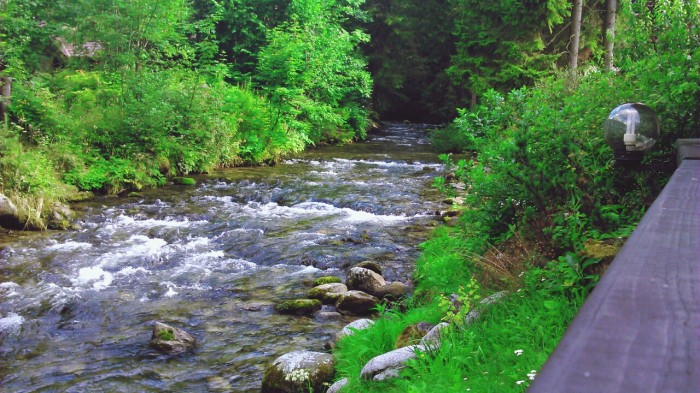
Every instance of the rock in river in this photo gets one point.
(327, 293)
(356, 303)
(298, 371)
(364, 280)
(299, 307)
(171, 340)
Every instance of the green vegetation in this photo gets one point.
(114, 96)
(326, 280)
(540, 187)
(166, 335)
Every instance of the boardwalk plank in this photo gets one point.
(639, 330)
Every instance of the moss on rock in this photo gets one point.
(327, 280)
(299, 307)
(184, 181)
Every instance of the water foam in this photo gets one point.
(11, 323)
(136, 247)
(94, 276)
(69, 246)
(9, 289)
(319, 209)
(130, 271)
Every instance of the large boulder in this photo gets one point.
(364, 280)
(327, 293)
(299, 307)
(356, 303)
(390, 364)
(394, 291)
(171, 340)
(9, 215)
(299, 371)
(61, 216)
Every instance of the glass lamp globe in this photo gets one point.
(630, 130)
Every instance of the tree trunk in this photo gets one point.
(5, 93)
(575, 34)
(609, 32)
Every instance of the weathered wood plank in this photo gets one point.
(639, 330)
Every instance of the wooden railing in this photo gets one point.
(639, 330)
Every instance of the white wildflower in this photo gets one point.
(518, 352)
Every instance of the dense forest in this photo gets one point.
(111, 96)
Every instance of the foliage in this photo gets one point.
(409, 51)
(500, 351)
(314, 75)
(501, 44)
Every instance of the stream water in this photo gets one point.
(77, 307)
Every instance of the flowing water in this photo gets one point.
(77, 307)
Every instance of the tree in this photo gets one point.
(313, 73)
(409, 52)
(502, 44)
(609, 32)
(575, 34)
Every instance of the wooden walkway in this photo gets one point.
(639, 330)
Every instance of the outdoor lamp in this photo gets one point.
(630, 130)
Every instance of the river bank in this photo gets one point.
(212, 259)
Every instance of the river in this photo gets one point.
(77, 307)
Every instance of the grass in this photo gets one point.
(499, 352)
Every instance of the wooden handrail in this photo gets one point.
(639, 330)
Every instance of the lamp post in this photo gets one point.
(630, 130)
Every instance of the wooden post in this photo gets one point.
(5, 94)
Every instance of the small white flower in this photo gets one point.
(532, 375)
(518, 352)
(519, 382)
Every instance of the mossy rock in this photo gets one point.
(184, 181)
(80, 197)
(171, 340)
(328, 293)
(327, 280)
(134, 194)
(299, 307)
(299, 372)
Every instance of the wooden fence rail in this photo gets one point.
(639, 330)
